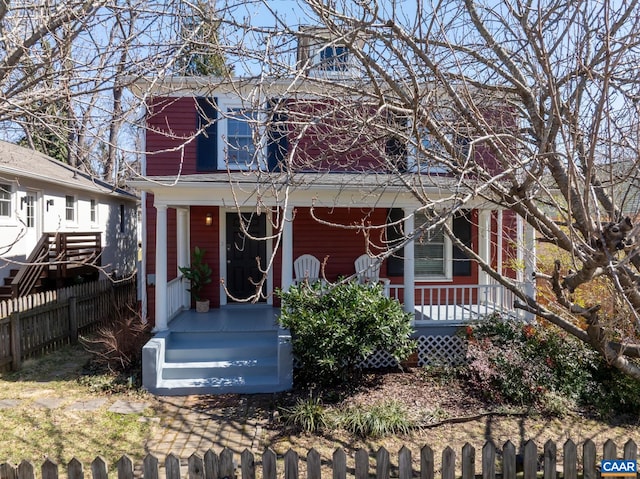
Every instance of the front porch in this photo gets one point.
(239, 348)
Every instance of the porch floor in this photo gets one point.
(232, 317)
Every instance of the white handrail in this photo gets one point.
(459, 303)
(175, 296)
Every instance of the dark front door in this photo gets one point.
(242, 251)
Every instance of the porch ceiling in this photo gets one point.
(301, 189)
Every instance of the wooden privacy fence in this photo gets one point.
(41, 323)
(504, 464)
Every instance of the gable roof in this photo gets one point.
(17, 161)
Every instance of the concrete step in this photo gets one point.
(264, 368)
(221, 346)
(220, 385)
(221, 362)
(216, 337)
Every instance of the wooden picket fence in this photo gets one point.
(495, 464)
(41, 323)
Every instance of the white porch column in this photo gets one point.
(182, 235)
(409, 271)
(287, 249)
(484, 243)
(527, 252)
(161, 268)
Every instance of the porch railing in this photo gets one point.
(175, 296)
(459, 303)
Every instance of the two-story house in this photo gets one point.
(261, 175)
(59, 224)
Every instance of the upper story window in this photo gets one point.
(334, 58)
(5, 200)
(70, 208)
(239, 144)
(432, 157)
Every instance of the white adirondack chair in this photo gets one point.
(306, 268)
(368, 272)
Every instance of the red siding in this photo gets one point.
(333, 137)
(341, 245)
(171, 122)
(207, 237)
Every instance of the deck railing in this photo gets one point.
(176, 296)
(459, 303)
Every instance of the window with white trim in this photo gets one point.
(93, 211)
(240, 134)
(432, 253)
(70, 208)
(5, 200)
(334, 58)
(429, 154)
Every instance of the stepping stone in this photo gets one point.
(90, 405)
(49, 403)
(128, 407)
(9, 403)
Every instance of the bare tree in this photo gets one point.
(64, 70)
(531, 107)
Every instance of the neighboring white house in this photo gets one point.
(41, 195)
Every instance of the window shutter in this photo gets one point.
(395, 263)
(207, 146)
(462, 231)
(277, 139)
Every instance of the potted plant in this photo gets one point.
(199, 275)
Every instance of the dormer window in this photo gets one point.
(321, 52)
(334, 58)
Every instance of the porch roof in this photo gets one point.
(302, 189)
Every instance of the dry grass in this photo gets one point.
(34, 432)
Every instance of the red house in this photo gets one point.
(259, 175)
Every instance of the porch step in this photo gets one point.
(221, 347)
(220, 385)
(217, 362)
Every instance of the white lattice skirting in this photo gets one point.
(441, 350)
(432, 350)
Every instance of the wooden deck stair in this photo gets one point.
(56, 258)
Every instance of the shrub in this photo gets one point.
(117, 346)
(376, 420)
(334, 329)
(308, 415)
(522, 363)
(613, 392)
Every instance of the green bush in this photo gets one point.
(524, 364)
(333, 329)
(612, 392)
(377, 420)
(537, 364)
